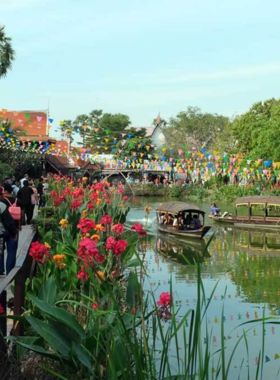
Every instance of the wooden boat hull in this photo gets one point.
(247, 223)
(189, 234)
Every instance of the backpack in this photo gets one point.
(14, 210)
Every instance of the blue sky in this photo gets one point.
(141, 57)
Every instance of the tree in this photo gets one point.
(108, 129)
(7, 54)
(258, 131)
(138, 146)
(193, 128)
(67, 128)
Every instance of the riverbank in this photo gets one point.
(200, 192)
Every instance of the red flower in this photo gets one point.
(39, 252)
(85, 225)
(121, 191)
(82, 275)
(125, 198)
(75, 205)
(117, 246)
(77, 193)
(53, 193)
(137, 227)
(95, 306)
(2, 311)
(88, 252)
(135, 199)
(109, 243)
(90, 206)
(164, 299)
(118, 228)
(106, 219)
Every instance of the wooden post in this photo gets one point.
(3, 325)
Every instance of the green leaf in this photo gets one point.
(52, 335)
(60, 315)
(132, 289)
(48, 292)
(82, 355)
(38, 349)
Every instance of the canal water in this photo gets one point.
(246, 265)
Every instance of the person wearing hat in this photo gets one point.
(7, 225)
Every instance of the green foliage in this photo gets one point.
(7, 54)
(257, 131)
(5, 171)
(176, 191)
(194, 128)
(138, 143)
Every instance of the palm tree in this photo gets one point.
(7, 54)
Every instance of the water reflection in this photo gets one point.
(246, 262)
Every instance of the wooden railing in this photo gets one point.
(18, 274)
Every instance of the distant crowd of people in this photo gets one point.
(17, 204)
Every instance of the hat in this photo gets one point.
(1, 190)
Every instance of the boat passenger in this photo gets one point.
(181, 222)
(215, 210)
(196, 224)
(175, 221)
(161, 219)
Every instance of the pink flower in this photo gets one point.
(118, 228)
(85, 225)
(109, 243)
(39, 252)
(164, 299)
(106, 219)
(95, 306)
(135, 199)
(125, 198)
(137, 227)
(121, 191)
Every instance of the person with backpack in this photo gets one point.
(7, 228)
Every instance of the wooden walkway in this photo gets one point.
(26, 235)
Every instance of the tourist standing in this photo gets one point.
(7, 225)
(34, 197)
(40, 191)
(24, 195)
(11, 242)
(25, 178)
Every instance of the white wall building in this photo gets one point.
(155, 133)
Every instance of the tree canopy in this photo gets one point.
(193, 128)
(7, 54)
(258, 131)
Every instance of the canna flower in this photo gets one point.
(39, 252)
(47, 245)
(125, 198)
(75, 205)
(96, 238)
(82, 275)
(58, 260)
(106, 219)
(117, 246)
(64, 223)
(101, 275)
(85, 225)
(118, 228)
(95, 306)
(164, 299)
(99, 228)
(84, 214)
(137, 227)
(98, 201)
(85, 179)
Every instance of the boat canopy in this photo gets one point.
(176, 207)
(258, 200)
